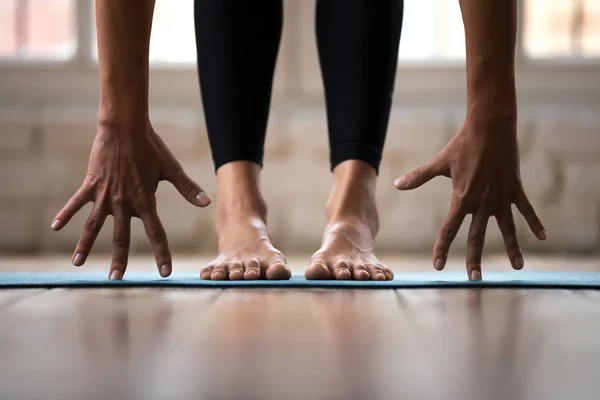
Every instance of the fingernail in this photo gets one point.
(518, 263)
(78, 260)
(401, 182)
(165, 270)
(475, 275)
(116, 275)
(56, 225)
(543, 235)
(203, 199)
(439, 264)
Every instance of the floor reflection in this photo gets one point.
(291, 344)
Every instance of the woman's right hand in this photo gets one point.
(126, 164)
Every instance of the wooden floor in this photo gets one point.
(298, 344)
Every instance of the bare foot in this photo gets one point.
(347, 250)
(245, 249)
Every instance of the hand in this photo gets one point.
(483, 162)
(126, 165)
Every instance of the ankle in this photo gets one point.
(242, 206)
(239, 192)
(354, 212)
(352, 199)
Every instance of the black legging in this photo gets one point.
(237, 43)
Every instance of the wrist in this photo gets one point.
(123, 113)
(496, 127)
(493, 104)
(492, 92)
(130, 128)
(123, 97)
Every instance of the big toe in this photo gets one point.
(317, 271)
(278, 272)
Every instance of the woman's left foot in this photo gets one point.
(347, 253)
(347, 250)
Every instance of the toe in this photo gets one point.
(236, 271)
(341, 270)
(317, 271)
(206, 272)
(389, 275)
(219, 272)
(360, 273)
(252, 269)
(375, 272)
(278, 271)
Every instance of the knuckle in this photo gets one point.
(447, 232)
(190, 188)
(119, 201)
(91, 181)
(145, 203)
(73, 202)
(459, 199)
(475, 241)
(158, 235)
(120, 241)
(92, 224)
(415, 175)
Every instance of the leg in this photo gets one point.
(358, 50)
(237, 43)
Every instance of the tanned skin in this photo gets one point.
(128, 158)
(483, 158)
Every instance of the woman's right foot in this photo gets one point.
(245, 249)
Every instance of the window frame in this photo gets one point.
(298, 78)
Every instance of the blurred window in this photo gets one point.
(562, 29)
(38, 29)
(433, 32)
(552, 29)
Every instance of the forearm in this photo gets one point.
(123, 30)
(490, 30)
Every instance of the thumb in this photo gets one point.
(190, 189)
(419, 176)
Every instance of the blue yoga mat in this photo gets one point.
(513, 279)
